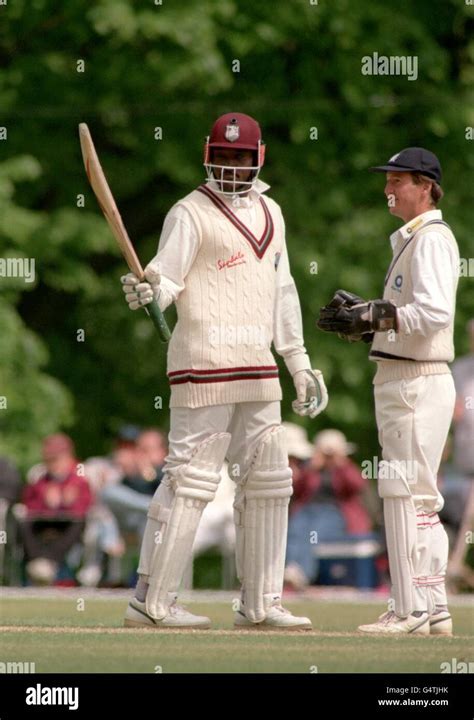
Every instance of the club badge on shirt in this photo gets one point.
(397, 283)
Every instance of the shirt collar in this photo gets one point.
(259, 187)
(407, 230)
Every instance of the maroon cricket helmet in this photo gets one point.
(236, 130)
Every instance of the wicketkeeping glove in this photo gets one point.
(351, 316)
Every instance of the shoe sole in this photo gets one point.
(435, 628)
(260, 627)
(136, 624)
(414, 631)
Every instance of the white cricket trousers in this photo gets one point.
(413, 419)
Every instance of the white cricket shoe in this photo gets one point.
(441, 623)
(277, 618)
(177, 618)
(391, 624)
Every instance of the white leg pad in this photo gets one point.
(158, 515)
(195, 485)
(401, 533)
(261, 515)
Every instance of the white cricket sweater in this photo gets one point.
(219, 351)
(424, 288)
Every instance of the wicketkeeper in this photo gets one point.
(222, 260)
(411, 330)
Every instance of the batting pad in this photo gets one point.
(401, 533)
(196, 485)
(261, 518)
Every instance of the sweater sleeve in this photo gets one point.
(177, 249)
(434, 270)
(287, 323)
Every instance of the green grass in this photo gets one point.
(59, 637)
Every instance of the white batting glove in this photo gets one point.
(153, 273)
(137, 293)
(311, 393)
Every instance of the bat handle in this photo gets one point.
(158, 320)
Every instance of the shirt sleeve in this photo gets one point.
(179, 243)
(433, 272)
(287, 321)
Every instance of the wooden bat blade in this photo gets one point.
(106, 200)
(107, 204)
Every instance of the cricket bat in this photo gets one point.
(107, 204)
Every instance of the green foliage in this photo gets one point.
(170, 66)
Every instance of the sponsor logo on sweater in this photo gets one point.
(237, 259)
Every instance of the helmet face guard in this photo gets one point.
(234, 131)
(228, 186)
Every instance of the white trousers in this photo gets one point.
(413, 419)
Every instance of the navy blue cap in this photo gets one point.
(413, 159)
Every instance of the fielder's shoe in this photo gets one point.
(177, 618)
(277, 618)
(441, 622)
(390, 624)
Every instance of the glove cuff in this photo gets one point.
(384, 315)
(295, 363)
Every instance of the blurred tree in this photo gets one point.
(150, 79)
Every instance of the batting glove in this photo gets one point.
(137, 293)
(311, 393)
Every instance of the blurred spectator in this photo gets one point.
(10, 481)
(216, 527)
(300, 451)
(140, 462)
(454, 488)
(10, 490)
(459, 491)
(463, 375)
(56, 508)
(299, 448)
(327, 506)
(103, 544)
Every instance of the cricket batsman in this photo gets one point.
(411, 329)
(222, 260)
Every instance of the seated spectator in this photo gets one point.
(299, 448)
(140, 461)
(10, 481)
(103, 543)
(10, 490)
(463, 376)
(460, 488)
(326, 506)
(56, 507)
